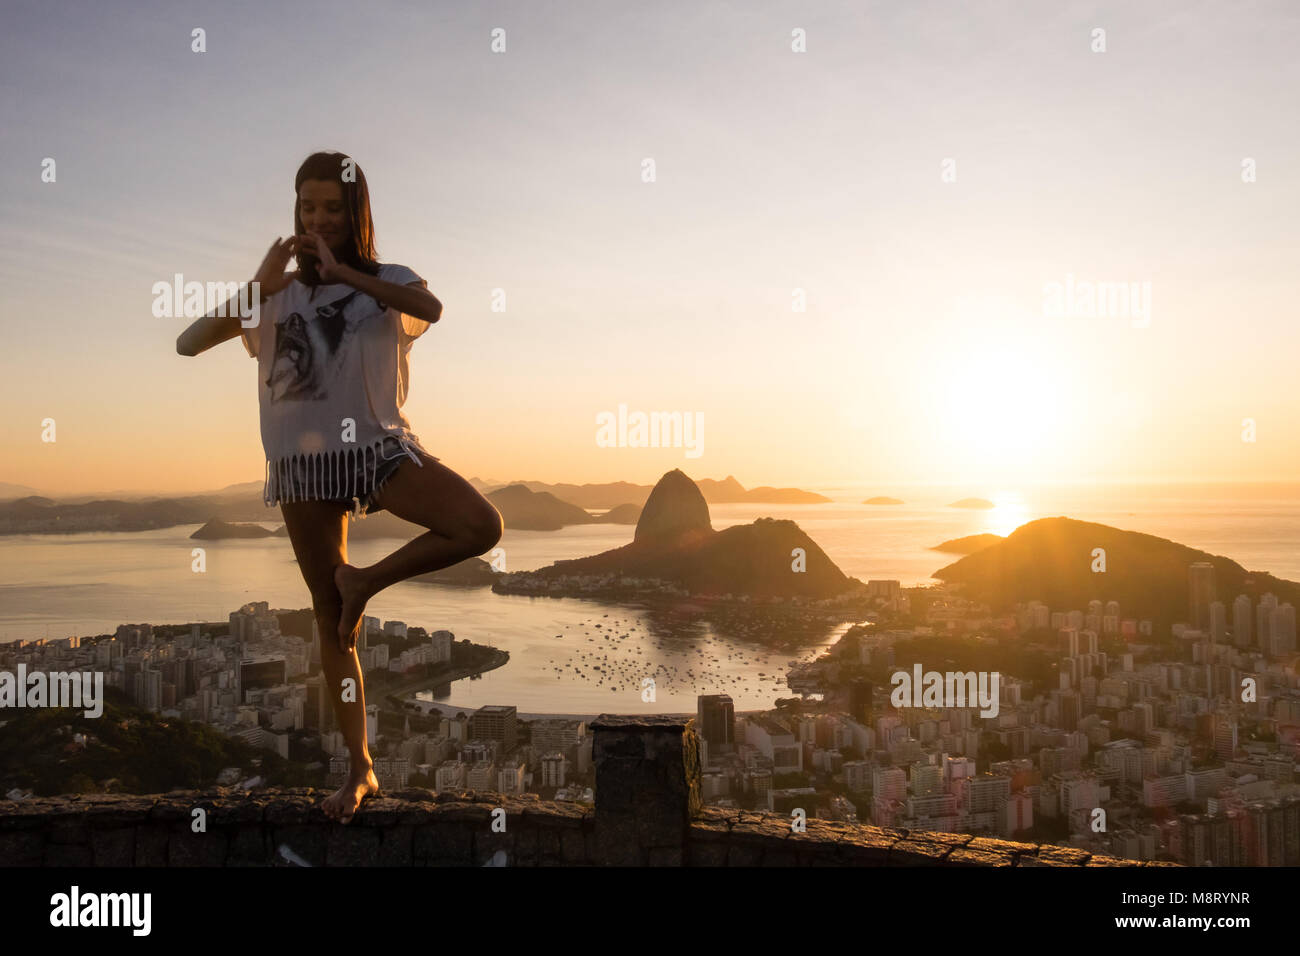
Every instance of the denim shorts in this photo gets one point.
(394, 453)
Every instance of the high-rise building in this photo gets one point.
(494, 722)
(926, 779)
(717, 723)
(889, 783)
(1225, 736)
(1071, 710)
(1264, 622)
(261, 672)
(1200, 580)
(987, 792)
(554, 768)
(1283, 630)
(151, 683)
(1218, 622)
(860, 700)
(888, 590)
(1241, 629)
(318, 714)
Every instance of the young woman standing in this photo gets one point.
(331, 347)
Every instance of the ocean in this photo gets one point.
(87, 584)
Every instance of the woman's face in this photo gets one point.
(321, 208)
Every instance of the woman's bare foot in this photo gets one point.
(354, 592)
(342, 804)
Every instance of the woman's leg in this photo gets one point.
(318, 531)
(462, 524)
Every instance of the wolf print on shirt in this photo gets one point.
(310, 352)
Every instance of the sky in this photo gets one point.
(924, 173)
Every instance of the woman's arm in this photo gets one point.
(414, 300)
(224, 323)
(212, 329)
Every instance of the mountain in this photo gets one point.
(243, 489)
(1051, 560)
(675, 507)
(675, 542)
(730, 491)
(597, 497)
(523, 505)
(10, 490)
(32, 504)
(969, 544)
(35, 515)
(535, 510)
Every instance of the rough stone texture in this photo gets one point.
(648, 778)
(648, 813)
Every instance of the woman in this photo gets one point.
(331, 345)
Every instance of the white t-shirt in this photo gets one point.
(332, 378)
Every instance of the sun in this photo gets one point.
(1009, 512)
(997, 413)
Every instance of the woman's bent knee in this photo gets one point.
(487, 530)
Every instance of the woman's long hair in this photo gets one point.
(360, 252)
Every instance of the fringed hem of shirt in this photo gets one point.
(330, 476)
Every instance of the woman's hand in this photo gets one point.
(271, 275)
(226, 322)
(329, 269)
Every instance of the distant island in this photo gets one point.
(623, 514)
(524, 505)
(883, 501)
(974, 503)
(471, 571)
(969, 544)
(216, 529)
(1051, 560)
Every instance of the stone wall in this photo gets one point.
(648, 813)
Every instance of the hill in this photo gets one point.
(969, 544)
(1051, 560)
(530, 510)
(127, 750)
(471, 571)
(9, 490)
